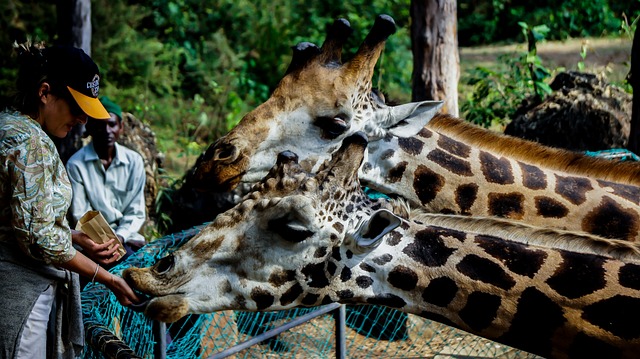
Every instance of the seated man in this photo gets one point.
(110, 178)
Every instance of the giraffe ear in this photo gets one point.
(408, 119)
(370, 231)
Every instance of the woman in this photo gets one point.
(57, 88)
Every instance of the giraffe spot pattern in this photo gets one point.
(345, 274)
(320, 252)
(486, 271)
(364, 281)
(450, 163)
(367, 267)
(383, 259)
(395, 174)
(440, 291)
(315, 275)
(428, 248)
(611, 220)
(454, 147)
(403, 278)
(466, 196)
(507, 205)
(533, 177)
(338, 227)
(632, 193)
(388, 299)
(585, 346)
(410, 145)
(496, 170)
(424, 133)
(515, 256)
(578, 275)
(279, 278)
(427, 184)
(262, 297)
(536, 319)
(387, 154)
(291, 294)
(366, 167)
(574, 189)
(393, 238)
(550, 208)
(331, 268)
(613, 315)
(629, 276)
(310, 299)
(344, 294)
(480, 310)
(240, 302)
(335, 254)
(326, 300)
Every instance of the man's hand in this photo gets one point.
(100, 253)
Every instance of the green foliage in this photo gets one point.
(497, 93)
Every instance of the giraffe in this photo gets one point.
(299, 239)
(450, 166)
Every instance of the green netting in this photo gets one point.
(371, 331)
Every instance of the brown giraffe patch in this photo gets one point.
(345, 294)
(533, 177)
(411, 145)
(507, 205)
(388, 299)
(367, 267)
(425, 133)
(466, 196)
(573, 189)
(427, 184)
(393, 238)
(315, 275)
(428, 248)
(291, 294)
(263, 298)
(578, 275)
(345, 274)
(280, 277)
(310, 299)
(396, 173)
(450, 163)
(364, 281)
(486, 271)
(440, 291)
(338, 227)
(550, 208)
(533, 305)
(387, 154)
(496, 170)
(612, 315)
(632, 193)
(611, 220)
(480, 310)
(403, 277)
(629, 277)
(454, 147)
(515, 256)
(383, 259)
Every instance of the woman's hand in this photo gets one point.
(122, 291)
(99, 253)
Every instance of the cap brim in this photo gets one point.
(90, 105)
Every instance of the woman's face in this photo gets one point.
(58, 115)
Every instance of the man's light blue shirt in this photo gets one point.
(118, 192)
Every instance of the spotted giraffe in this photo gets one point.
(449, 166)
(299, 239)
(452, 166)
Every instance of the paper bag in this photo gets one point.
(96, 227)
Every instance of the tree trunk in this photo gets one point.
(434, 42)
(74, 29)
(634, 79)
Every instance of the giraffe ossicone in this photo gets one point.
(299, 239)
(448, 166)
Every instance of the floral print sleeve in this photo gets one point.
(40, 191)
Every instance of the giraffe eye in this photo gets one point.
(289, 230)
(165, 264)
(332, 127)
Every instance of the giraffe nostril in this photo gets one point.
(225, 152)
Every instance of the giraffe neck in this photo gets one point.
(512, 287)
(458, 173)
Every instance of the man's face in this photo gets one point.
(105, 133)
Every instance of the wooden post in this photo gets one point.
(434, 43)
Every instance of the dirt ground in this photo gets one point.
(612, 56)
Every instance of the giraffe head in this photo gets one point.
(319, 102)
(298, 219)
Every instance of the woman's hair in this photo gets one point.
(32, 72)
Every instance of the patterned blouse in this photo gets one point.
(35, 192)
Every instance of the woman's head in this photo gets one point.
(58, 86)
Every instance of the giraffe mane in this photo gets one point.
(534, 153)
(523, 233)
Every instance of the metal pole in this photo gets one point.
(160, 334)
(340, 316)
